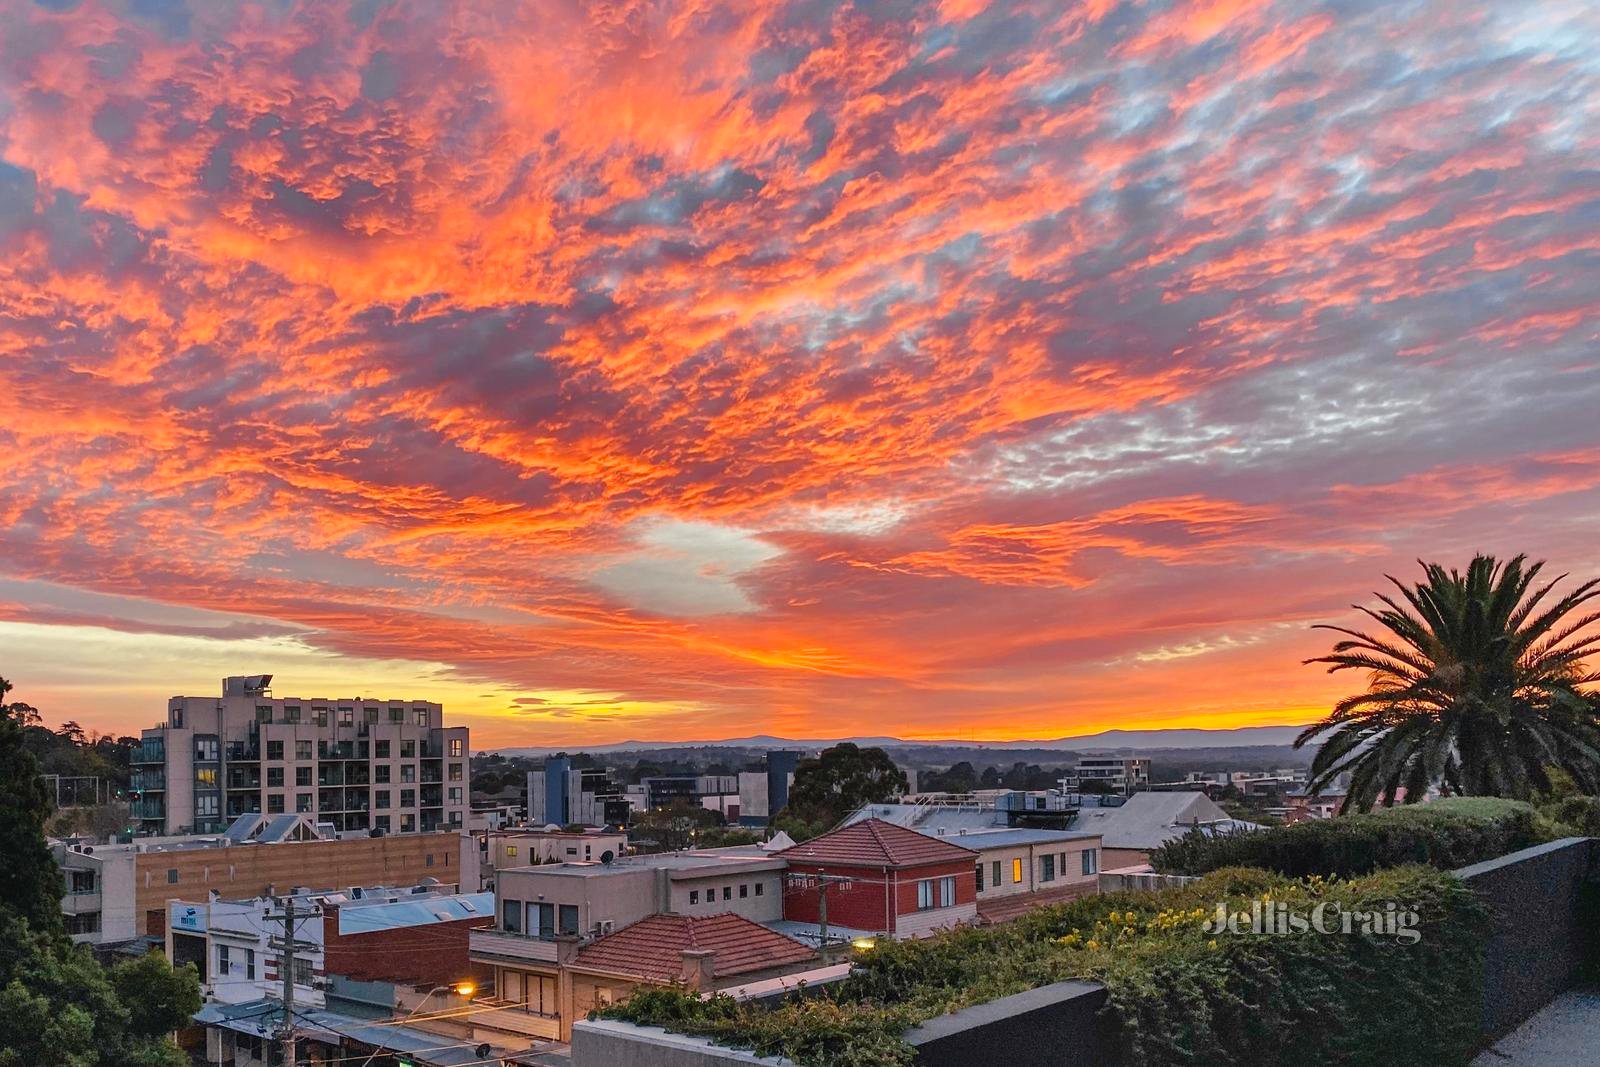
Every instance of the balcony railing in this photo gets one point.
(508, 946)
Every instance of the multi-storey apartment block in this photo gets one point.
(359, 764)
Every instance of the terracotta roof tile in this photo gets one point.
(653, 948)
(875, 843)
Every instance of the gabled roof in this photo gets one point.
(1148, 820)
(875, 843)
(653, 948)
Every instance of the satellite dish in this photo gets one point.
(607, 856)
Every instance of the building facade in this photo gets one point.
(116, 893)
(358, 764)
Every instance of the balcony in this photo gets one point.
(81, 903)
(514, 1018)
(499, 946)
(150, 750)
(243, 752)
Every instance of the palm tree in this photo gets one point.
(1470, 690)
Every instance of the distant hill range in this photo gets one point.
(1106, 741)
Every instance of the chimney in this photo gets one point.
(697, 967)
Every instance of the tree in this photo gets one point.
(30, 884)
(1477, 687)
(160, 997)
(840, 780)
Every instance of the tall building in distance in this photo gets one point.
(1111, 774)
(357, 763)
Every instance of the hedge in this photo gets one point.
(1447, 833)
(1178, 992)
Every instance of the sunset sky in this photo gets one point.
(624, 370)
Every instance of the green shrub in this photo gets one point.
(1447, 834)
(1178, 993)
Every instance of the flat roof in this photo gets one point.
(986, 839)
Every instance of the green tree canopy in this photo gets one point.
(840, 780)
(30, 884)
(1477, 685)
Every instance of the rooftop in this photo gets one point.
(875, 843)
(653, 948)
(1148, 820)
(1017, 838)
(356, 917)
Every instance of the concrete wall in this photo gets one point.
(1059, 1025)
(607, 1043)
(1541, 925)
(619, 895)
(735, 893)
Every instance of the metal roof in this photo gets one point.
(985, 839)
(358, 918)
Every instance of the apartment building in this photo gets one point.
(1116, 774)
(355, 763)
(117, 893)
(561, 795)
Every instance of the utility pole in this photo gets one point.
(823, 882)
(286, 966)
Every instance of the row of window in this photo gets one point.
(727, 893)
(206, 749)
(347, 716)
(1051, 866)
(542, 920)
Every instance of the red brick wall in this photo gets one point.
(431, 955)
(966, 884)
(863, 905)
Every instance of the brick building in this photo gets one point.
(882, 878)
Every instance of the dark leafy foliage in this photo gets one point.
(1477, 686)
(1447, 834)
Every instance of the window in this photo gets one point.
(420, 716)
(172, 876)
(925, 894)
(947, 891)
(408, 798)
(302, 776)
(1016, 871)
(224, 962)
(397, 714)
(250, 964)
(511, 851)
(347, 716)
(275, 803)
(408, 772)
(380, 799)
(380, 822)
(408, 824)
(455, 747)
(1047, 868)
(275, 777)
(370, 714)
(302, 802)
(303, 750)
(275, 750)
(291, 713)
(429, 860)
(205, 804)
(455, 798)
(727, 892)
(177, 718)
(542, 920)
(511, 916)
(302, 971)
(455, 772)
(263, 713)
(381, 749)
(205, 749)
(1091, 861)
(206, 777)
(744, 891)
(980, 877)
(322, 716)
(380, 773)
(408, 750)
(996, 872)
(758, 889)
(694, 896)
(569, 918)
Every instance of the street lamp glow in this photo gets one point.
(466, 989)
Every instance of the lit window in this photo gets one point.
(455, 746)
(511, 851)
(1016, 871)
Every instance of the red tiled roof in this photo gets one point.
(1004, 909)
(653, 948)
(875, 843)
